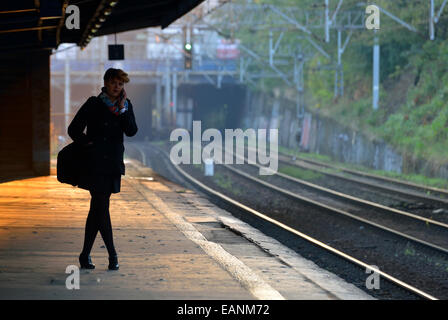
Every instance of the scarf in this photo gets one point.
(114, 108)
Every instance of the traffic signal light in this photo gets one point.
(188, 56)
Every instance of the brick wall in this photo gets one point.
(25, 114)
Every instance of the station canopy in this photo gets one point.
(27, 25)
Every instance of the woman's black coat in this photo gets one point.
(105, 130)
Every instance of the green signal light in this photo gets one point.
(187, 46)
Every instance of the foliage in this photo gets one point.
(415, 178)
(226, 183)
(300, 173)
(414, 80)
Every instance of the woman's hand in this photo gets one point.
(123, 99)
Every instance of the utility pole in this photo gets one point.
(433, 19)
(159, 104)
(338, 81)
(166, 106)
(173, 104)
(376, 71)
(66, 92)
(327, 21)
(298, 79)
(376, 56)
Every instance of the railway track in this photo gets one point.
(303, 235)
(399, 223)
(427, 232)
(422, 197)
(438, 195)
(413, 227)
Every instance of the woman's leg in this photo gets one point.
(98, 220)
(91, 228)
(101, 201)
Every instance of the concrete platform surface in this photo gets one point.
(172, 244)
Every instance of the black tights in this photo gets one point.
(98, 220)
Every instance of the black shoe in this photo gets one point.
(113, 263)
(86, 262)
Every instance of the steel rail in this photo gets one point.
(420, 188)
(352, 199)
(358, 201)
(316, 242)
(338, 211)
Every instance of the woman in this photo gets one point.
(106, 117)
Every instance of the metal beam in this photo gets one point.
(393, 17)
(18, 11)
(433, 19)
(103, 10)
(289, 19)
(336, 11)
(322, 51)
(28, 29)
(436, 19)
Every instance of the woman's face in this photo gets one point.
(114, 87)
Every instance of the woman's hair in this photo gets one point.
(119, 74)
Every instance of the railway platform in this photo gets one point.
(172, 243)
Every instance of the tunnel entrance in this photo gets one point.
(218, 108)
